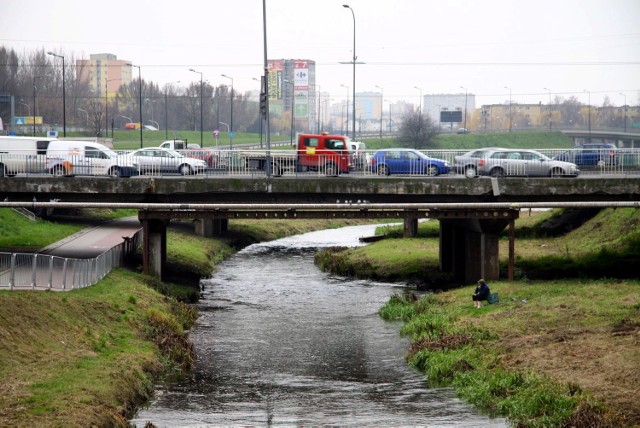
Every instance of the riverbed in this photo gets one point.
(280, 343)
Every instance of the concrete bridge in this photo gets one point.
(472, 212)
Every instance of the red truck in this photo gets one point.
(327, 154)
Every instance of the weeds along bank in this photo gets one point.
(88, 357)
(552, 352)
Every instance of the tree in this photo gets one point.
(418, 130)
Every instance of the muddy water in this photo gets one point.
(280, 343)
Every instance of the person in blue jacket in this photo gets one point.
(482, 293)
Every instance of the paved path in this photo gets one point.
(93, 241)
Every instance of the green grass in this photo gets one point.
(457, 345)
(18, 231)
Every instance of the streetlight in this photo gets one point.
(259, 115)
(465, 107)
(354, 73)
(86, 115)
(420, 102)
(381, 107)
(64, 101)
(106, 110)
(589, 92)
(549, 106)
(389, 116)
(506, 87)
(625, 111)
(201, 103)
(347, 115)
(166, 113)
(34, 102)
(292, 101)
(139, 98)
(27, 106)
(231, 118)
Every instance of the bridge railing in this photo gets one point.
(33, 271)
(244, 162)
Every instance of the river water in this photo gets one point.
(280, 343)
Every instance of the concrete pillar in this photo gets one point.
(154, 253)
(410, 227)
(220, 226)
(204, 227)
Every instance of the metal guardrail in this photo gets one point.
(33, 271)
(244, 162)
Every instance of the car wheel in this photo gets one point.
(431, 171)
(330, 169)
(470, 172)
(115, 172)
(382, 170)
(58, 171)
(556, 172)
(185, 169)
(497, 172)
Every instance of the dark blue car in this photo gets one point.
(591, 154)
(407, 161)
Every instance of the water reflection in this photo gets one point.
(281, 344)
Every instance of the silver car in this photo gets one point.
(154, 160)
(497, 162)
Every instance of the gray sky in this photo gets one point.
(568, 46)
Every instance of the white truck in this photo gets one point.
(23, 155)
(68, 158)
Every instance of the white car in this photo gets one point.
(154, 160)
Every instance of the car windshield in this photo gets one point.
(174, 154)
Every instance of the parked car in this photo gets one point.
(406, 161)
(467, 163)
(515, 162)
(68, 157)
(591, 154)
(154, 160)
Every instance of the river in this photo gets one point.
(280, 343)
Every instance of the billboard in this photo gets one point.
(301, 88)
(276, 75)
(451, 116)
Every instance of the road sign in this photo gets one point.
(232, 134)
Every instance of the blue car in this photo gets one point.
(407, 161)
(591, 154)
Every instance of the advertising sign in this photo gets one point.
(301, 88)
(276, 71)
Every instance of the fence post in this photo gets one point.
(34, 268)
(12, 275)
(50, 271)
(64, 274)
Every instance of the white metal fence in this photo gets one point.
(26, 271)
(241, 162)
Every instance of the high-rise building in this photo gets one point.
(292, 87)
(104, 73)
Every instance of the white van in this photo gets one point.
(66, 157)
(23, 155)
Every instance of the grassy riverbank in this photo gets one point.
(89, 357)
(552, 352)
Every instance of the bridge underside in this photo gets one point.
(468, 237)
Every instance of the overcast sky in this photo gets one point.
(486, 46)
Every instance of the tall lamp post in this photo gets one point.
(506, 87)
(106, 108)
(64, 100)
(381, 107)
(201, 103)
(231, 118)
(389, 116)
(465, 107)
(625, 111)
(139, 99)
(166, 112)
(347, 115)
(589, 119)
(549, 106)
(34, 102)
(87, 116)
(259, 115)
(292, 109)
(420, 103)
(353, 121)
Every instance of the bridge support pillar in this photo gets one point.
(410, 227)
(469, 248)
(154, 253)
(210, 227)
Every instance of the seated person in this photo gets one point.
(482, 293)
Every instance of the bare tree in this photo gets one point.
(418, 130)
